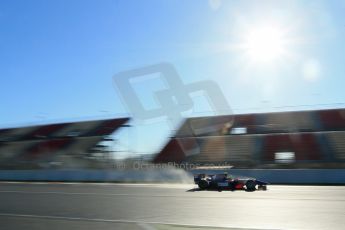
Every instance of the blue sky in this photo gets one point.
(57, 58)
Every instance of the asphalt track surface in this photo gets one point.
(163, 206)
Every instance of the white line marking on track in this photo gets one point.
(86, 193)
(115, 221)
(185, 196)
(146, 226)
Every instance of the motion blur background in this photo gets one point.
(63, 107)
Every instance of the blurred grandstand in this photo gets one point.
(300, 139)
(64, 145)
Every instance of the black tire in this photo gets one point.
(203, 184)
(250, 185)
(232, 186)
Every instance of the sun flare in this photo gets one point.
(265, 44)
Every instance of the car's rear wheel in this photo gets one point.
(250, 185)
(203, 184)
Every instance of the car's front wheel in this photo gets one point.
(203, 184)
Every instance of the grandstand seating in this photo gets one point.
(45, 131)
(15, 134)
(247, 121)
(81, 145)
(19, 146)
(172, 152)
(205, 126)
(337, 140)
(230, 148)
(190, 146)
(303, 145)
(45, 148)
(107, 127)
(13, 149)
(289, 122)
(332, 119)
(263, 138)
(184, 131)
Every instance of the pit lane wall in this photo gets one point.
(273, 176)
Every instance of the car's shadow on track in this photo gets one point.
(215, 190)
(194, 190)
(201, 190)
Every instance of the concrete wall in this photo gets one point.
(273, 176)
(167, 175)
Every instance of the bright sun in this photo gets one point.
(264, 44)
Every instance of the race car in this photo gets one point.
(225, 182)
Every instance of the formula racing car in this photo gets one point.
(224, 182)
